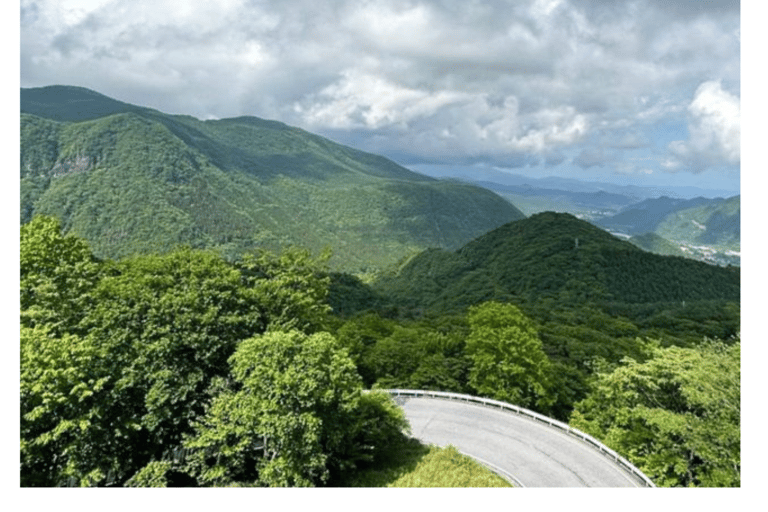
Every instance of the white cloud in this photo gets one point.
(714, 127)
(361, 100)
(431, 80)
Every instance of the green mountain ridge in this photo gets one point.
(133, 180)
(712, 222)
(556, 256)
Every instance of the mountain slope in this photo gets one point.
(645, 216)
(652, 242)
(702, 229)
(558, 256)
(704, 221)
(715, 223)
(133, 180)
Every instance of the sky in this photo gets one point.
(644, 92)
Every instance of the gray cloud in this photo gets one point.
(507, 83)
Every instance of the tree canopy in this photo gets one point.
(185, 368)
(293, 418)
(675, 416)
(508, 362)
(122, 363)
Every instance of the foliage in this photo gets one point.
(57, 275)
(291, 287)
(652, 242)
(128, 354)
(170, 323)
(675, 416)
(154, 474)
(508, 362)
(348, 295)
(62, 397)
(552, 256)
(299, 400)
(391, 354)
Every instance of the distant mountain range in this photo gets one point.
(131, 180)
(589, 204)
(496, 178)
(705, 229)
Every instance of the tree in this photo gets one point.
(508, 362)
(118, 358)
(292, 288)
(167, 325)
(61, 391)
(675, 416)
(57, 275)
(290, 418)
(154, 334)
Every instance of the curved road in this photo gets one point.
(532, 453)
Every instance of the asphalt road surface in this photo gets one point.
(531, 453)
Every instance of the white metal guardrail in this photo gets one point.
(497, 404)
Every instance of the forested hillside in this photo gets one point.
(132, 180)
(556, 256)
(645, 216)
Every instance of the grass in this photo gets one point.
(417, 465)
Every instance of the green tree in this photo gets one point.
(62, 391)
(57, 275)
(288, 422)
(508, 362)
(167, 325)
(395, 358)
(292, 288)
(159, 330)
(675, 416)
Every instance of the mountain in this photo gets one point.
(652, 242)
(476, 174)
(645, 216)
(715, 222)
(131, 180)
(703, 229)
(558, 256)
(587, 205)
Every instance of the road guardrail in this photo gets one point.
(497, 404)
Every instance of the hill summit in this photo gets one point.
(553, 255)
(130, 179)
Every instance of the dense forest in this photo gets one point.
(188, 369)
(183, 369)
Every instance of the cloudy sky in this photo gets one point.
(640, 92)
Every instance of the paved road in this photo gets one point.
(535, 454)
